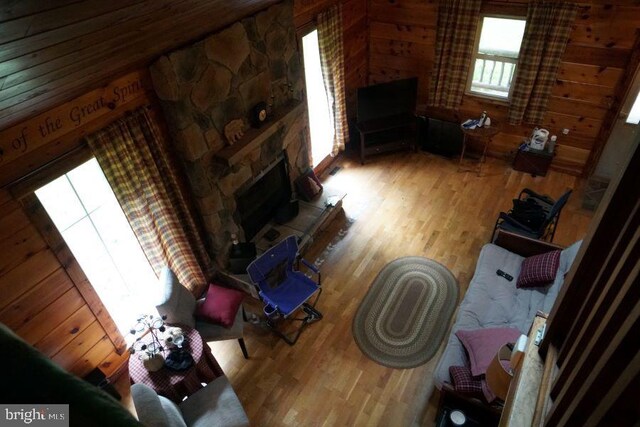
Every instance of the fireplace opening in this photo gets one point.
(268, 191)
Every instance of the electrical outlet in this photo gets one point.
(565, 131)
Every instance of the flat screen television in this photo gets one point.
(394, 98)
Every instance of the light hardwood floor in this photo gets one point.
(403, 204)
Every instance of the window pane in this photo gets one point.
(89, 218)
(634, 114)
(501, 36)
(65, 209)
(91, 185)
(320, 122)
(499, 44)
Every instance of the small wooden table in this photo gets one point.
(484, 134)
(176, 385)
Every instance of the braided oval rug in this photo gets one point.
(405, 315)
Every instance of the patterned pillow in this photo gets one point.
(539, 270)
(463, 381)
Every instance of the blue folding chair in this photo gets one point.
(284, 289)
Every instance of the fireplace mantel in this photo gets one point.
(254, 137)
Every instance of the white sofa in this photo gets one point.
(492, 301)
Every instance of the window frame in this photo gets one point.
(477, 55)
(302, 32)
(24, 192)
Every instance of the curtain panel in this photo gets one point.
(455, 41)
(331, 47)
(135, 161)
(545, 39)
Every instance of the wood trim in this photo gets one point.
(543, 401)
(610, 119)
(505, 9)
(40, 219)
(523, 246)
(519, 408)
(324, 165)
(50, 171)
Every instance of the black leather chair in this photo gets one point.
(532, 215)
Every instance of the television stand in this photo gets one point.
(387, 134)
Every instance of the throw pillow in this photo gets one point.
(220, 306)
(483, 344)
(539, 270)
(463, 381)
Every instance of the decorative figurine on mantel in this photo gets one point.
(234, 131)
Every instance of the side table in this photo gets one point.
(176, 385)
(535, 162)
(477, 414)
(485, 135)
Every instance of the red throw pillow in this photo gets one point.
(463, 381)
(483, 344)
(220, 305)
(539, 270)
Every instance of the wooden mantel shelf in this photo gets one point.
(254, 137)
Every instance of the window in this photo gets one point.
(496, 56)
(320, 125)
(87, 214)
(634, 114)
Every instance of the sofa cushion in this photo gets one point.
(539, 270)
(482, 345)
(219, 306)
(216, 405)
(149, 408)
(172, 412)
(492, 301)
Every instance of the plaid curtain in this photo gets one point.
(332, 61)
(455, 41)
(545, 38)
(134, 158)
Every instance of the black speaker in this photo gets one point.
(440, 137)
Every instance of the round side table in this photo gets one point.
(176, 385)
(485, 135)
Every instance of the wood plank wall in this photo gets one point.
(40, 302)
(39, 298)
(355, 33)
(54, 51)
(402, 44)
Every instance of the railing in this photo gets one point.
(493, 74)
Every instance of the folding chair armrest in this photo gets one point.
(310, 266)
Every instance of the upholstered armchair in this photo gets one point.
(179, 305)
(215, 405)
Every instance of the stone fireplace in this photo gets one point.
(257, 203)
(205, 86)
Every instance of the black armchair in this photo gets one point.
(532, 215)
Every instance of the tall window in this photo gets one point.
(85, 211)
(320, 126)
(496, 56)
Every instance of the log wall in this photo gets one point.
(42, 304)
(402, 44)
(54, 51)
(44, 296)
